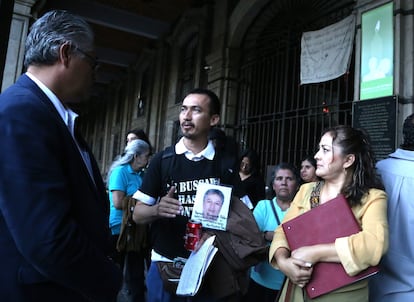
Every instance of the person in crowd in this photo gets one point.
(212, 202)
(218, 137)
(223, 143)
(54, 233)
(251, 181)
(124, 179)
(345, 163)
(166, 201)
(132, 135)
(395, 281)
(265, 281)
(308, 169)
(136, 133)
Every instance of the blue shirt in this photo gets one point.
(263, 273)
(395, 280)
(124, 179)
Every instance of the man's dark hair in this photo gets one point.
(408, 133)
(214, 100)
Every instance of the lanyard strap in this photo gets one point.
(274, 211)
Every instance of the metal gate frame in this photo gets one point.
(277, 116)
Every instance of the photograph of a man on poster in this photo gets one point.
(211, 206)
(212, 203)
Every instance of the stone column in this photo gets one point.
(6, 12)
(18, 33)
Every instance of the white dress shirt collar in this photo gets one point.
(208, 152)
(67, 115)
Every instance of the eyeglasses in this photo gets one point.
(92, 60)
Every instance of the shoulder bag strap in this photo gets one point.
(274, 212)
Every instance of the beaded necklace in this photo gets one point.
(316, 192)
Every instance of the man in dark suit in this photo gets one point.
(53, 205)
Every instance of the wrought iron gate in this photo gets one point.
(277, 116)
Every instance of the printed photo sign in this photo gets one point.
(211, 206)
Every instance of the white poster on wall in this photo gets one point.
(326, 53)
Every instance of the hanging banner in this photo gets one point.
(326, 53)
(377, 53)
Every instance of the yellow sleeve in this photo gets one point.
(299, 205)
(364, 249)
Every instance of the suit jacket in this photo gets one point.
(54, 219)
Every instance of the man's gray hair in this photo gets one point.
(52, 30)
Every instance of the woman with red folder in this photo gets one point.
(345, 163)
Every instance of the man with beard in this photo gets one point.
(167, 202)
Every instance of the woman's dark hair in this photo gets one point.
(356, 141)
(140, 134)
(310, 159)
(254, 160)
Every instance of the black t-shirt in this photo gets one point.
(254, 187)
(168, 234)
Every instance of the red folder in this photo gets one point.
(324, 224)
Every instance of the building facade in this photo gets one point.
(249, 53)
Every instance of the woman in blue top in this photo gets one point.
(265, 281)
(124, 179)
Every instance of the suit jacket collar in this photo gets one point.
(97, 183)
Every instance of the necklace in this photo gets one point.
(316, 192)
